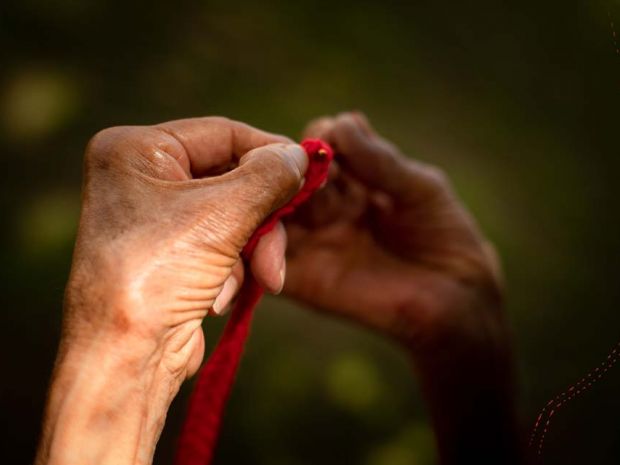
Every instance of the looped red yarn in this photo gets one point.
(207, 403)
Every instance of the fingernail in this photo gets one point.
(282, 276)
(298, 155)
(220, 305)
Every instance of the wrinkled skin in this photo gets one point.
(157, 249)
(166, 212)
(388, 244)
(156, 243)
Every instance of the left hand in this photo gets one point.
(388, 244)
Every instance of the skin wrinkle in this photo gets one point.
(182, 159)
(387, 244)
(216, 378)
(164, 164)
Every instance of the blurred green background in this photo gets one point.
(517, 100)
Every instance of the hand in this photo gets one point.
(388, 244)
(158, 247)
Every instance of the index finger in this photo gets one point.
(215, 143)
(373, 160)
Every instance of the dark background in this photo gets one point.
(517, 100)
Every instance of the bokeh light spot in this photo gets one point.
(353, 383)
(48, 224)
(36, 103)
(414, 445)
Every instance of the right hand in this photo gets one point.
(163, 222)
(166, 211)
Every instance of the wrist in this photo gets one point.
(106, 405)
(466, 372)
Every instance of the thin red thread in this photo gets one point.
(613, 33)
(208, 401)
(590, 378)
(573, 391)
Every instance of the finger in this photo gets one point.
(319, 128)
(229, 290)
(265, 180)
(324, 208)
(378, 163)
(363, 123)
(214, 143)
(333, 172)
(343, 199)
(196, 347)
(268, 264)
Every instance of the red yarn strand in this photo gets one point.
(206, 408)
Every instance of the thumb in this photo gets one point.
(266, 179)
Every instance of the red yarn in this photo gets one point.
(202, 425)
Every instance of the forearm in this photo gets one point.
(470, 394)
(104, 407)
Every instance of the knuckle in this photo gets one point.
(344, 124)
(319, 127)
(430, 178)
(104, 148)
(351, 135)
(346, 117)
(437, 176)
(107, 138)
(343, 136)
(360, 116)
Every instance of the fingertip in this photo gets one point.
(333, 171)
(292, 154)
(197, 344)
(298, 155)
(348, 120)
(347, 136)
(226, 295)
(229, 291)
(362, 121)
(268, 263)
(319, 128)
